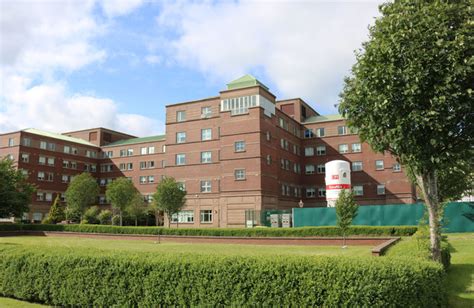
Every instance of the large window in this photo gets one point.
(343, 148)
(180, 116)
(206, 186)
(356, 148)
(356, 166)
(239, 105)
(206, 134)
(183, 217)
(321, 150)
(239, 146)
(206, 157)
(308, 151)
(180, 159)
(206, 216)
(239, 174)
(180, 137)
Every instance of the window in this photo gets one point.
(163, 148)
(397, 167)
(239, 105)
(321, 192)
(183, 217)
(379, 165)
(206, 216)
(102, 200)
(151, 179)
(180, 159)
(381, 189)
(309, 169)
(358, 190)
(129, 166)
(341, 130)
(151, 164)
(356, 148)
(206, 157)
(93, 168)
(24, 172)
(65, 163)
(321, 168)
(74, 151)
(269, 136)
(308, 133)
(180, 137)
(67, 149)
(206, 134)
(26, 142)
(51, 146)
(123, 153)
(10, 156)
(25, 157)
(143, 165)
(297, 168)
(239, 146)
(205, 186)
(321, 150)
(37, 216)
(310, 192)
(39, 196)
(284, 144)
(151, 150)
(129, 152)
(41, 176)
(143, 179)
(320, 132)
(144, 151)
(206, 112)
(11, 142)
(356, 166)
(65, 178)
(180, 116)
(48, 196)
(239, 174)
(269, 159)
(50, 161)
(43, 145)
(91, 154)
(343, 148)
(308, 151)
(42, 160)
(73, 165)
(182, 186)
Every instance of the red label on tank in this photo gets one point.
(338, 186)
(335, 177)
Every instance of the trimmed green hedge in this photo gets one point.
(247, 232)
(95, 278)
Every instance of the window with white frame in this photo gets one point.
(269, 136)
(343, 148)
(49, 176)
(151, 179)
(239, 146)
(205, 186)
(41, 176)
(50, 161)
(11, 142)
(48, 196)
(308, 133)
(143, 165)
(397, 167)
(122, 166)
(206, 216)
(65, 178)
(180, 159)
(358, 190)
(321, 150)
(308, 151)
(123, 153)
(183, 217)
(309, 169)
(39, 196)
(151, 150)
(206, 112)
(43, 145)
(73, 165)
(150, 164)
(381, 189)
(129, 152)
(67, 149)
(239, 174)
(206, 134)
(42, 160)
(206, 157)
(269, 159)
(321, 192)
(239, 105)
(321, 168)
(25, 157)
(180, 116)
(310, 192)
(320, 132)
(143, 179)
(341, 130)
(51, 146)
(129, 166)
(74, 151)
(356, 166)
(379, 164)
(144, 151)
(181, 185)
(180, 137)
(26, 142)
(356, 148)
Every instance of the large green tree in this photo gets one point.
(120, 193)
(346, 211)
(169, 197)
(410, 92)
(15, 191)
(81, 193)
(136, 208)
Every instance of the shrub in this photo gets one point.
(249, 232)
(91, 215)
(96, 278)
(105, 217)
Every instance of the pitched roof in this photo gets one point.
(137, 140)
(323, 118)
(57, 136)
(244, 82)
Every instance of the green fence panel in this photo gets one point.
(458, 216)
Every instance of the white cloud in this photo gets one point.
(305, 48)
(39, 39)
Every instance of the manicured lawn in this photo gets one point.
(139, 246)
(13, 303)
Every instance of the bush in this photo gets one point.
(96, 278)
(91, 215)
(249, 232)
(105, 217)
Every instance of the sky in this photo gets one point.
(75, 64)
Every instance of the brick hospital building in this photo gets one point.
(236, 154)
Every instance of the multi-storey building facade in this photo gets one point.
(235, 154)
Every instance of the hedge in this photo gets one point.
(247, 232)
(93, 278)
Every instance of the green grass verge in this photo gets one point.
(14, 303)
(247, 232)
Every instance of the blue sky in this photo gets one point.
(117, 63)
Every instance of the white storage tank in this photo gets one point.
(338, 178)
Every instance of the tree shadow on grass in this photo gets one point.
(459, 280)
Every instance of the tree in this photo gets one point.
(81, 193)
(120, 193)
(169, 197)
(410, 92)
(91, 215)
(15, 191)
(105, 217)
(346, 211)
(56, 212)
(136, 208)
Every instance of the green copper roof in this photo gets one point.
(244, 82)
(57, 136)
(137, 140)
(323, 118)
